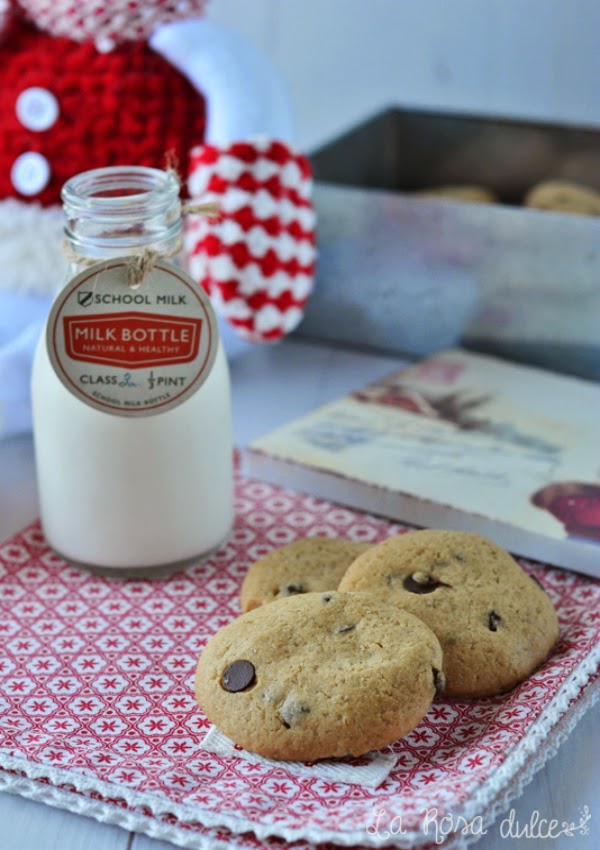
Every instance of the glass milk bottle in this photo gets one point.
(130, 390)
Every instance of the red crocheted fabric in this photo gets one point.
(126, 106)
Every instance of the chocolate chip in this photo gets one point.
(291, 712)
(439, 681)
(493, 621)
(343, 629)
(291, 589)
(327, 598)
(423, 583)
(238, 676)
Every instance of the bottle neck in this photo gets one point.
(121, 210)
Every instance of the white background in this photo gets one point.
(343, 60)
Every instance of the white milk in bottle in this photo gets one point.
(130, 387)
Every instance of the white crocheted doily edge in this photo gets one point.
(488, 801)
(156, 828)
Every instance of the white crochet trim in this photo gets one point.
(553, 739)
(30, 239)
(155, 828)
(489, 800)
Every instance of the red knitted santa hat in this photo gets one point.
(82, 88)
(65, 107)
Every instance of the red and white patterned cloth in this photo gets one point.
(97, 712)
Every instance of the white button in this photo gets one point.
(30, 173)
(37, 108)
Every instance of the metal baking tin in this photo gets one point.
(409, 274)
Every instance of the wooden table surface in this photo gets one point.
(271, 385)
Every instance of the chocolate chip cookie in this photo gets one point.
(494, 622)
(564, 196)
(319, 675)
(309, 564)
(460, 192)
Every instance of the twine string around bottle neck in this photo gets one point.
(141, 263)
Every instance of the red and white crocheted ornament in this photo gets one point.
(88, 84)
(257, 260)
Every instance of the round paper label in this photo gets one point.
(132, 351)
